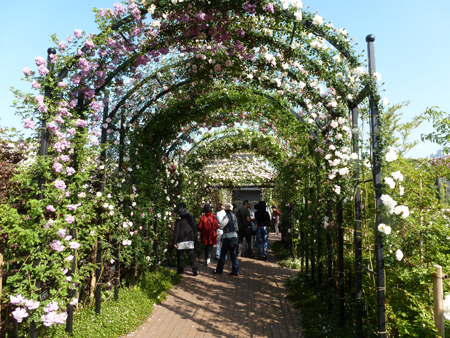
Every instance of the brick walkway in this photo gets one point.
(251, 305)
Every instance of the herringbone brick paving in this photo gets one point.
(251, 305)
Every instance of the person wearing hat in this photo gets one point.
(229, 226)
(208, 227)
(183, 240)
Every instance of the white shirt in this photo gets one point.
(220, 214)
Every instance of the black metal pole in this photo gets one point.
(340, 225)
(155, 243)
(318, 223)
(73, 231)
(133, 272)
(302, 240)
(376, 171)
(357, 234)
(292, 227)
(329, 266)
(98, 280)
(43, 151)
(117, 244)
(99, 260)
(312, 240)
(306, 237)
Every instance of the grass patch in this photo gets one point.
(284, 256)
(291, 263)
(116, 319)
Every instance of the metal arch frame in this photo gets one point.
(344, 51)
(290, 110)
(198, 144)
(116, 26)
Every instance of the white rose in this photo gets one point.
(318, 20)
(399, 255)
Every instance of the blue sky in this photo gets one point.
(411, 45)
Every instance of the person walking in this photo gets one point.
(262, 230)
(229, 226)
(276, 218)
(207, 227)
(245, 228)
(220, 213)
(184, 235)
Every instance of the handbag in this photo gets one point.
(234, 242)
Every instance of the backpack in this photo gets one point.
(232, 224)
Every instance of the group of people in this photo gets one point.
(226, 229)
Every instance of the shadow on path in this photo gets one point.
(251, 305)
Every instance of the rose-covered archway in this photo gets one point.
(116, 108)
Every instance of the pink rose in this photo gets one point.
(27, 71)
(28, 123)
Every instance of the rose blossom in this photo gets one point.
(19, 314)
(27, 71)
(57, 246)
(53, 306)
(399, 255)
(89, 44)
(60, 184)
(74, 245)
(16, 300)
(81, 123)
(28, 123)
(70, 171)
(50, 208)
(57, 167)
(32, 305)
(69, 258)
(35, 84)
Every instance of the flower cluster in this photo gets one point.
(209, 47)
(20, 313)
(385, 229)
(51, 316)
(392, 206)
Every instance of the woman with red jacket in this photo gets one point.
(207, 227)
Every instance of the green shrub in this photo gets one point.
(313, 304)
(291, 263)
(116, 319)
(281, 251)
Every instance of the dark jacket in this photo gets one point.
(241, 215)
(184, 229)
(261, 215)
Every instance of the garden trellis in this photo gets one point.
(159, 73)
